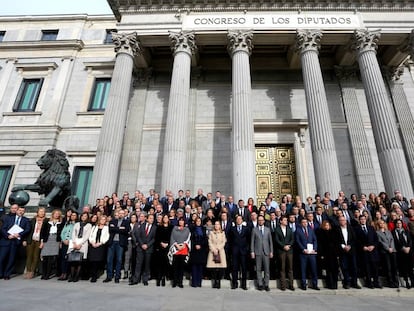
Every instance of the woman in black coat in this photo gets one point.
(404, 247)
(328, 252)
(162, 245)
(198, 254)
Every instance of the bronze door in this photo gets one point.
(275, 172)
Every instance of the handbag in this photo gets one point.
(183, 251)
(75, 256)
(217, 258)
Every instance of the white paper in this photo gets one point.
(309, 247)
(15, 230)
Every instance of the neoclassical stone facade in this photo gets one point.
(246, 98)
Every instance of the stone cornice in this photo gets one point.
(43, 45)
(120, 7)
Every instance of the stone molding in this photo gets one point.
(240, 41)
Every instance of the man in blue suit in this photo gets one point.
(10, 243)
(307, 246)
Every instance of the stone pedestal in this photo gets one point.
(109, 150)
(322, 142)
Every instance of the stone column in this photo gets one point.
(322, 142)
(403, 112)
(364, 167)
(390, 152)
(176, 132)
(244, 172)
(108, 153)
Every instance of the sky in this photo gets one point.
(43, 7)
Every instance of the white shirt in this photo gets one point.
(283, 230)
(345, 235)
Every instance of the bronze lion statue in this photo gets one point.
(53, 182)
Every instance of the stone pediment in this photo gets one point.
(120, 7)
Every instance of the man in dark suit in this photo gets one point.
(272, 224)
(242, 211)
(239, 240)
(368, 247)
(307, 246)
(314, 225)
(169, 205)
(261, 248)
(346, 242)
(143, 237)
(10, 243)
(118, 241)
(284, 240)
(200, 198)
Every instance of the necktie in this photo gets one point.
(262, 231)
(311, 225)
(146, 230)
(306, 233)
(17, 220)
(365, 229)
(239, 229)
(273, 225)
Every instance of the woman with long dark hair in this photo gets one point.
(198, 256)
(79, 242)
(162, 243)
(180, 245)
(65, 237)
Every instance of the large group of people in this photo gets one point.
(169, 238)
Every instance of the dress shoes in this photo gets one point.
(292, 288)
(303, 287)
(267, 288)
(145, 283)
(377, 286)
(283, 288)
(107, 280)
(6, 278)
(93, 280)
(316, 288)
(233, 286)
(259, 287)
(180, 286)
(346, 286)
(116, 280)
(132, 283)
(356, 286)
(243, 287)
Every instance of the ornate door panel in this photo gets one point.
(275, 172)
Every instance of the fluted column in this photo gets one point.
(244, 173)
(364, 167)
(322, 142)
(404, 115)
(108, 153)
(389, 147)
(176, 132)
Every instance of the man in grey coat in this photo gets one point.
(261, 247)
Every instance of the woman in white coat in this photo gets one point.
(80, 240)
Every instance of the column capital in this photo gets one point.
(308, 40)
(183, 42)
(346, 73)
(365, 40)
(392, 73)
(239, 40)
(126, 43)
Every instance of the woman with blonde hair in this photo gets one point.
(216, 260)
(33, 242)
(97, 247)
(50, 243)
